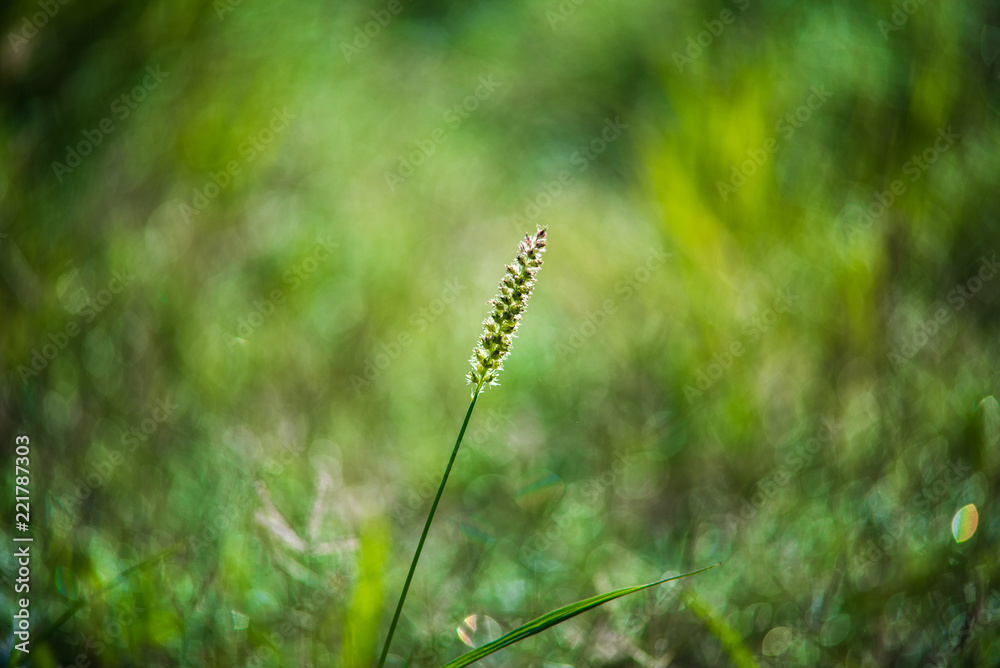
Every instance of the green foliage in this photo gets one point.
(557, 616)
(767, 334)
(366, 605)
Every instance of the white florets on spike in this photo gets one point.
(499, 327)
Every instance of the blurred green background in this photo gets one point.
(246, 249)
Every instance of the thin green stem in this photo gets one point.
(427, 526)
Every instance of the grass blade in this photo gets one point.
(361, 625)
(555, 618)
(732, 642)
(427, 527)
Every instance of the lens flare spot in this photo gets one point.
(964, 524)
(835, 630)
(537, 488)
(476, 534)
(66, 583)
(240, 621)
(478, 630)
(776, 641)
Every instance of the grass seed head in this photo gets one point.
(500, 325)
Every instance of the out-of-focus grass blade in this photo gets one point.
(720, 628)
(361, 627)
(556, 617)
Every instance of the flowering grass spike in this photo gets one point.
(508, 305)
(487, 361)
